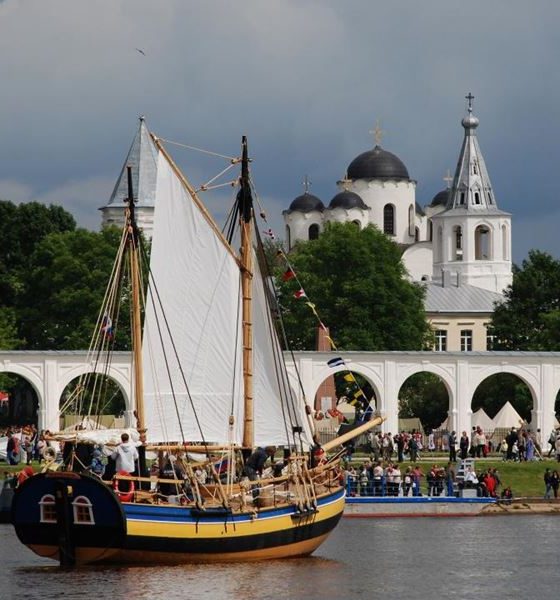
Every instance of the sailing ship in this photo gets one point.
(210, 387)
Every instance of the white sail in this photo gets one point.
(197, 281)
(272, 407)
(195, 287)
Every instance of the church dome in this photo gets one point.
(306, 203)
(347, 200)
(440, 199)
(378, 164)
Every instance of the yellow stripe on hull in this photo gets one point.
(230, 528)
(219, 531)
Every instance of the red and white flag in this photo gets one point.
(300, 294)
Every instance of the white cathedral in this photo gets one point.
(459, 245)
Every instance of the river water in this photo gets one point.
(499, 557)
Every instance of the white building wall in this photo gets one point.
(299, 224)
(401, 194)
(492, 274)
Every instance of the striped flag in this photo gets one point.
(300, 294)
(336, 362)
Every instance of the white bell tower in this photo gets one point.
(472, 236)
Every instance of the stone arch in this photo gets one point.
(505, 242)
(444, 377)
(483, 242)
(457, 243)
(389, 220)
(313, 231)
(371, 376)
(113, 373)
(530, 379)
(29, 375)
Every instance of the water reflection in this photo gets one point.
(386, 558)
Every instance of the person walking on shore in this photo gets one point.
(555, 482)
(548, 484)
(452, 447)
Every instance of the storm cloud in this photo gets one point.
(305, 80)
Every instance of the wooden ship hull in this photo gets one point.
(77, 519)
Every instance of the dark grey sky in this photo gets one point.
(305, 80)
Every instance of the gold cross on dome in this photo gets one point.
(448, 179)
(377, 133)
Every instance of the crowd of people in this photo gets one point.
(388, 479)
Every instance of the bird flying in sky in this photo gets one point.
(141, 51)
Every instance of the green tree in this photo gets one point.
(8, 329)
(64, 290)
(357, 281)
(424, 395)
(529, 319)
(22, 228)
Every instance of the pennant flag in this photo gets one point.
(289, 274)
(349, 377)
(335, 362)
(107, 327)
(300, 294)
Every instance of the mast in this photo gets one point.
(134, 249)
(245, 206)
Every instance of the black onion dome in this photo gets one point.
(440, 199)
(347, 199)
(378, 164)
(306, 203)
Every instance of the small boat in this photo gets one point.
(211, 390)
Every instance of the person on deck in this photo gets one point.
(125, 455)
(255, 463)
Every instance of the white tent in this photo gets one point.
(482, 420)
(507, 417)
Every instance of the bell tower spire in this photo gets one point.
(472, 236)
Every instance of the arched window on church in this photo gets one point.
(313, 231)
(411, 220)
(416, 234)
(431, 231)
(288, 237)
(482, 243)
(439, 254)
(389, 219)
(477, 197)
(458, 246)
(505, 242)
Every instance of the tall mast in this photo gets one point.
(133, 251)
(245, 205)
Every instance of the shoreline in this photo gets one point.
(523, 506)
